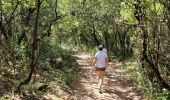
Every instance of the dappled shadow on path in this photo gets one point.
(116, 85)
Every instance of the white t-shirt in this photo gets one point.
(101, 56)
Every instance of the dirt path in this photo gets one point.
(116, 85)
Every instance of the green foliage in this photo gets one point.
(58, 61)
(143, 83)
(65, 26)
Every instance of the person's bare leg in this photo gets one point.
(100, 79)
(97, 76)
(100, 83)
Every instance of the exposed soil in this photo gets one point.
(116, 86)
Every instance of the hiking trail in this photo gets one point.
(116, 86)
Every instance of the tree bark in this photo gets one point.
(94, 35)
(145, 58)
(34, 59)
(106, 39)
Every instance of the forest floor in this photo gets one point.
(116, 86)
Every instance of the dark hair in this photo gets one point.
(100, 47)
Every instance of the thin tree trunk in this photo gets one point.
(106, 39)
(94, 35)
(145, 58)
(34, 59)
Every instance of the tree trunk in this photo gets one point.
(145, 58)
(94, 35)
(106, 40)
(34, 59)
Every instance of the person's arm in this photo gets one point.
(94, 61)
(106, 61)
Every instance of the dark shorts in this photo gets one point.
(100, 69)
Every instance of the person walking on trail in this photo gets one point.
(100, 63)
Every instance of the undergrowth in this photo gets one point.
(132, 68)
(57, 68)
